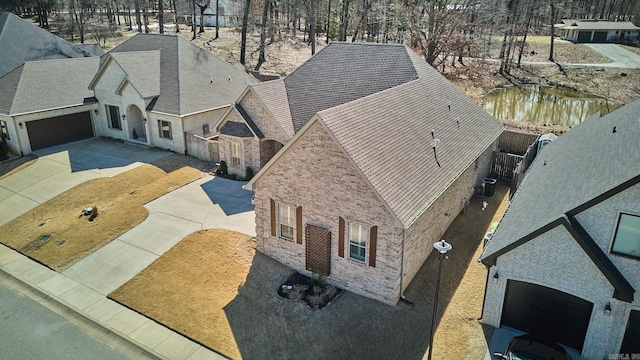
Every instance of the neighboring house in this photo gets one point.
(21, 41)
(565, 260)
(357, 193)
(594, 30)
(46, 103)
(230, 14)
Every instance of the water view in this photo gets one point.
(545, 105)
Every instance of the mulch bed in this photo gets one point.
(313, 291)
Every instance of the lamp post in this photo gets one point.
(443, 247)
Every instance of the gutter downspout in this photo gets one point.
(402, 297)
(484, 298)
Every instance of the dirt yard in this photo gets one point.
(57, 234)
(214, 288)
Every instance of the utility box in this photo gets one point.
(488, 186)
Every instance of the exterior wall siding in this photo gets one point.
(104, 91)
(193, 123)
(430, 226)
(317, 176)
(176, 143)
(249, 154)
(262, 118)
(582, 279)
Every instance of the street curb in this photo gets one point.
(111, 337)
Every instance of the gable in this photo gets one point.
(257, 113)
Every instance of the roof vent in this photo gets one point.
(614, 130)
(435, 154)
(449, 105)
(432, 133)
(458, 121)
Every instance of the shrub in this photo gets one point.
(134, 134)
(4, 147)
(222, 169)
(249, 173)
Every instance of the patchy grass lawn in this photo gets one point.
(214, 288)
(11, 167)
(59, 236)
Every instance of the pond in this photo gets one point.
(545, 105)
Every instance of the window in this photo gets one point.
(235, 154)
(287, 219)
(4, 130)
(627, 239)
(114, 117)
(164, 129)
(357, 241)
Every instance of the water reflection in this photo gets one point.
(545, 105)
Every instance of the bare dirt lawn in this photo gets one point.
(214, 288)
(59, 235)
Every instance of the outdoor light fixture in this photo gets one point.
(443, 247)
(95, 111)
(124, 116)
(21, 125)
(607, 309)
(496, 277)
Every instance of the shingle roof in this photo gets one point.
(579, 166)
(191, 79)
(388, 136)
(142, 69)
(41, 85)
(21, 41)
(274, 96)
(236, 129)
(596, 25)
(256, 130)
(343, 72)
(387, 133)
(93, 49)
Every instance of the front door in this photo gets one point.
(318, 249)
(630, 343)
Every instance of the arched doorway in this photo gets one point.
(136, 122)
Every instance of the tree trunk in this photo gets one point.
(312, 29)
(263, 34)
(161, 16)
(345, 19)
(175, 15)
(328, 20)
(146, 21)
(553, 16)
(138, 22)
(245, 24)
(193, 19)
(217, 19)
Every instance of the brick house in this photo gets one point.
(359, 193)
(598, 31)
(565, 260)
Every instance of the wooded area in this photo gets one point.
(442, 31)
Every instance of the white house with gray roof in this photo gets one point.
(596, 30)
(565, 260)
(358, 193)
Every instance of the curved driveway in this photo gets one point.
(621, 57)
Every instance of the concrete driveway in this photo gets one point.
(60, 168)
(171, 218)
(621, 57)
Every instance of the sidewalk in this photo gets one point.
(124, 329)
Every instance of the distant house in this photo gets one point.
(594, 30)
(151, 90)
(565, 260)
(367, 154)
(21, 41)
(230, 14)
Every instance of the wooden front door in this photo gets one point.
(318, 250)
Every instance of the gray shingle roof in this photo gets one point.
(596, 25)
(387, 132)
(41, 85)
(388, 136)
(580, 165)
(21, 41)
(343, 72)
(274, 96)
(142, 69)
(236, 129)
(191, 79)
(93, 49)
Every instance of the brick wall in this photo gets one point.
(249, 154)
(316, 175)
(263, 119)
(430, 226)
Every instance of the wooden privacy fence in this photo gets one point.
(515, 142)
(503, 164)
(202, 148)
(522, 167)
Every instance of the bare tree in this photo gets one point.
(245, 24)
(161, 16)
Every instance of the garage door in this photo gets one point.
(543, 311)
(59, 130)
(600, 36)
(584, 36)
